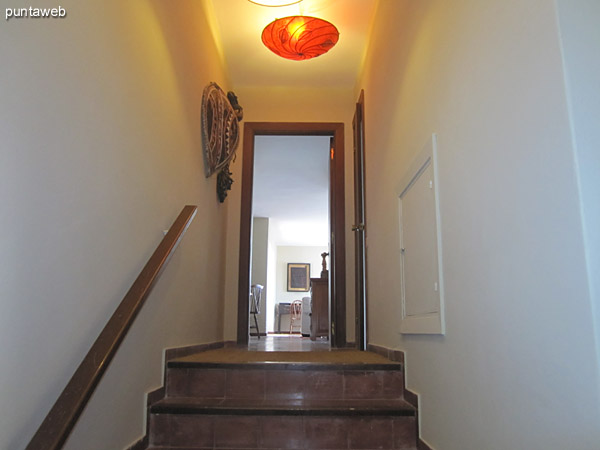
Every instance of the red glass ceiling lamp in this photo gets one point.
(300, 37)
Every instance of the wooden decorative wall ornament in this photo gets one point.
(220, 134)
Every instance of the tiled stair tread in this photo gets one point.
(241, 448)
(283, 406)
(240, 358)
(281, 366)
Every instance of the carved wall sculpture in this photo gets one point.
(220, 134)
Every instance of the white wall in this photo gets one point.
(99, 118)
(580, 38)
(517, 367)
(258, 270)
(271, 281)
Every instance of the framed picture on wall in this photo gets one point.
(298, 277)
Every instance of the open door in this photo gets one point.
(360, 227)
(337, 278)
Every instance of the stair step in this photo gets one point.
(239, 358)
(204, 431)
(282, 406)
(273, 365)
(231, 398)
(292, 379)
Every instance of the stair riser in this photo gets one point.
(293, 384)
(284, 432)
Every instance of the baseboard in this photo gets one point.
(157, 394)
(391, 354)
(421, 445)
(258, 334)
(142, 444)
(180, 352)
(409, 396)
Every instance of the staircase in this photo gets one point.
(231, 398)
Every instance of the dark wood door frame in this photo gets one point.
(360, 224)
(337, 274)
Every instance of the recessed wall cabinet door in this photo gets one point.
(420, 246)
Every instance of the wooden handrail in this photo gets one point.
(56, 427)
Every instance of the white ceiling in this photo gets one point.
(291, 173)
(238, 25)
(291, 187)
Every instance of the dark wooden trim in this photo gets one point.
(360, 217)
(245, 234)
(337, 215)
(337, 219)
(338, 211)
(61, 419)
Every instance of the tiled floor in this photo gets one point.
(287, 343)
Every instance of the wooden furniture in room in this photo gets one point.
(319, 320)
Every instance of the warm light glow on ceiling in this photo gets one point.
(238, 28)
(275, 2)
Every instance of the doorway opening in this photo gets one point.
(290, 222)
(325, 236)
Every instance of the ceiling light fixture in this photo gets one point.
(300, 37)
(275, 2)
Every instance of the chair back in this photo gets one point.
(296, 308)
(295, 315)
(255, 296)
